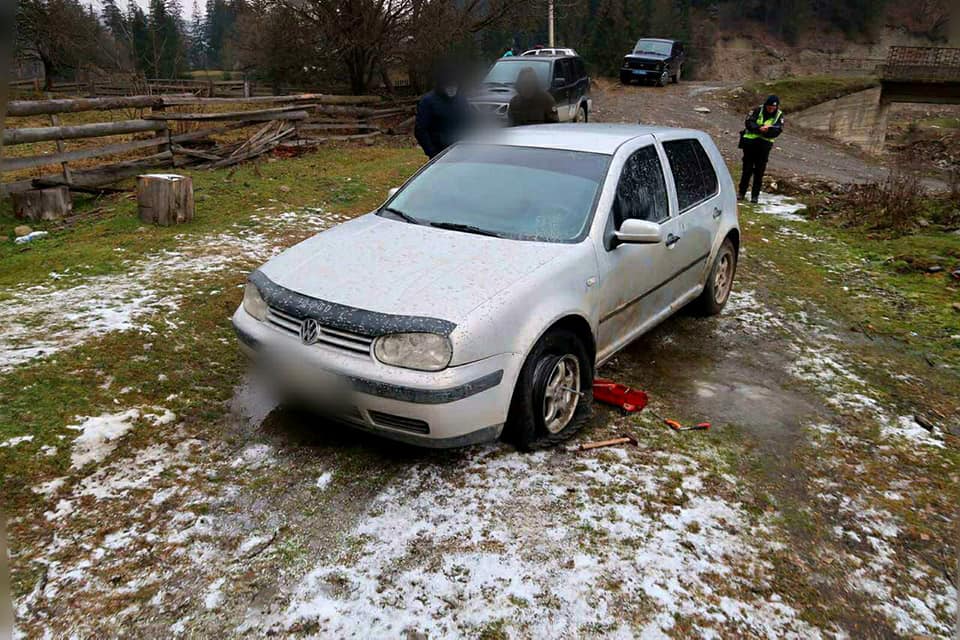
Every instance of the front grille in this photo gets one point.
(333, 338)
(639, 64)
(399, 422)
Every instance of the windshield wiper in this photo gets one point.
(466, 228)
(406, 217)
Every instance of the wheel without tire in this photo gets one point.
(554, 392)
(581, 114)
(720, 281)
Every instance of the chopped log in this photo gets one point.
(40, 183)
(42, 204)
(16, 108)
(164, 198)
(318, 98)
(95, 130)
(294, 112)
(13, 164)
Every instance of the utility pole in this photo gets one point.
(550, 22)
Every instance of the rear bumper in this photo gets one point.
(455, 407)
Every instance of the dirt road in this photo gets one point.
(797, 153)
(182, 502)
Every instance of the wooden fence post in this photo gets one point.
(61, 147)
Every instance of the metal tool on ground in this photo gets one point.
(618, 395)
(676, 426)
(586, 446)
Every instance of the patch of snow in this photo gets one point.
(780, 206)
(324, 480)
(214, 597)
(12, 442)
(253, 457)
(906, 427)
(445, 551)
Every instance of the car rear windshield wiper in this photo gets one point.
(406, 217)
(466, 228)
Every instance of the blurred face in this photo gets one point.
(771, 108)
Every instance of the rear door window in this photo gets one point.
(561, 69)
(642, 191)
(581, 69)
(692, 170)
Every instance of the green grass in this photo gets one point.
(798, 93)
(45, 396)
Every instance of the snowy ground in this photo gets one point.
(256, 524)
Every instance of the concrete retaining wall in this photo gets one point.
(858, 118)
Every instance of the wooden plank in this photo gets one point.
(359, 136)
(95, 130)
(317, 98)
(106, 174)
(196, 153)
(61, 148)
(204, 133)
(17, 108)
(14, 164)
(310, 126)
(276, 113)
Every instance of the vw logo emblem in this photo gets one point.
(309, 331)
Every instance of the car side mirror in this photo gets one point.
(392, 192)
(634, 231)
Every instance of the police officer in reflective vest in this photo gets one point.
(762, 126)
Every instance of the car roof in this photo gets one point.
(590, 137)
(658, 39)
(542, 56)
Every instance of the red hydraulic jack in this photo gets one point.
(618, 395)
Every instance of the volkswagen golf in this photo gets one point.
(479, 299)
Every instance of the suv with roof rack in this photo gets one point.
(564, 76)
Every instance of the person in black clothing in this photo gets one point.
(442, 115)
(763, 125)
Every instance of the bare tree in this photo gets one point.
(58, 33)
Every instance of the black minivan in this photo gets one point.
(564, 76)
(653, 60)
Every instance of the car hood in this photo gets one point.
(394, 267)
(493, 93)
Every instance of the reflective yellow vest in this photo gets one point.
(762, 121)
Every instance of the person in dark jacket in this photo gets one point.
(533, 104)
(762, 126)
(442, 115)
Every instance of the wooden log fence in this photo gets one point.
(282, 120)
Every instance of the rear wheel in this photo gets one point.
(554, 392)
(581, 115)
(716, 292)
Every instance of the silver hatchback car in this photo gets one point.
(481, 297)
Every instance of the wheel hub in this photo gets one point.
(562, 394)
(723, 278)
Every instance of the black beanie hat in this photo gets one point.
(772, 100)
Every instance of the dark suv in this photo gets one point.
(564, 76)
(653, 60)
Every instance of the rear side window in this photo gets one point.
(581, 70)
(692, 171)
(641, 192)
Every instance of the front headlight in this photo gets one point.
(421, 351)
(253, 302)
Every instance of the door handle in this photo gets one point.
(672, 239)
(717, 212)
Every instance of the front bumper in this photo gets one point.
(458, 406)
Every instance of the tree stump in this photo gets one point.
(42, 204)
(165, 199)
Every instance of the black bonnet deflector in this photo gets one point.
(342, 317)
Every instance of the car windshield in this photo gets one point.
(506, 72)
(653, 46)
(513, 192)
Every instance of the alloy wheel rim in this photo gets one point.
(723, 278)
(562, 394)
